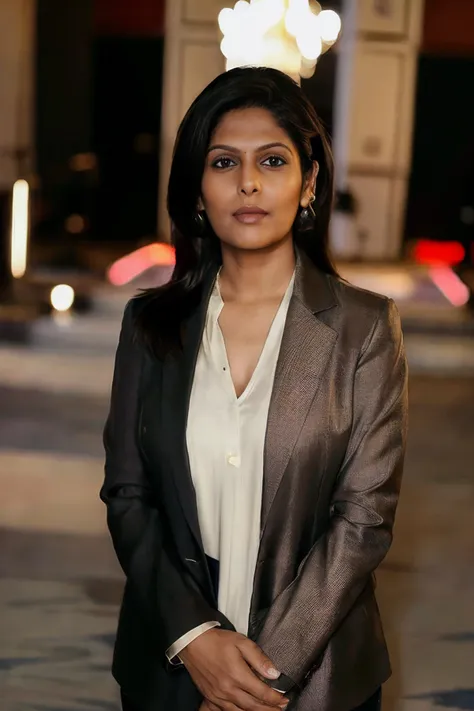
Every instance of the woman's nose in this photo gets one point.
(250, 181)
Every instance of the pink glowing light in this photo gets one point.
(128, 268)
(456, 292)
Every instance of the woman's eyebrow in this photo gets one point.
(232, 149)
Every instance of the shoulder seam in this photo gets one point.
(384, 307)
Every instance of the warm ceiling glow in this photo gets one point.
(289, 35)
(20, 227)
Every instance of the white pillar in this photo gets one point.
(192, 59)
(17, 33)
(374, 116)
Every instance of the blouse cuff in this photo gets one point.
(172, 652)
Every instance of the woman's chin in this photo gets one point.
(253, 241)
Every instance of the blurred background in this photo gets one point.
(91, 94)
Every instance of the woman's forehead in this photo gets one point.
(252, 126)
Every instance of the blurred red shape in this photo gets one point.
(431, 252)
(129, 267)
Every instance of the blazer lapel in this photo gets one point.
(305, 351)
(178, 376)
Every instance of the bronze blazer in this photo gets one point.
(333, 464)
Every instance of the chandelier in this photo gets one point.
(289, 35)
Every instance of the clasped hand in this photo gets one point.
(228, 668)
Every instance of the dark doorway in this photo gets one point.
(442, 178)
(126, 120)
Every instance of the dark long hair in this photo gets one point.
(164, 310)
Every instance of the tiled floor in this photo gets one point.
(60, 585)
(55, 645)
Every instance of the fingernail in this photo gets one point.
(274, 673)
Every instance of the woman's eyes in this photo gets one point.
(225, 162)
(274, 161)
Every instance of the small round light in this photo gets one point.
(75, 224)
(309, 39)
(241, 7)
(82, 162)
(329, 25)
(226, 20)
(62, 297)
(230, 46)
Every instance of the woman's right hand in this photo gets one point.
(220, 664)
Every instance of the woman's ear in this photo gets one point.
(309, 186)
(200, 205)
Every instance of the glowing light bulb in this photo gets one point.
(62, 297)
(297, 16)
(265, 14)
(241, 7)
(309, 40)
(226, 20)
(285, 34)
(329, 25)
(230, 46)
(275, 10)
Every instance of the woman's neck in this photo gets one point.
(253, 276)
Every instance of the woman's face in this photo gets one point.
(252, 184)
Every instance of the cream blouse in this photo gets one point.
(225, 439)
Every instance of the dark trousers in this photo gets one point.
(129, 705)
(372, 704)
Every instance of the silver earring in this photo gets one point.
(307, 217)
(200, 222)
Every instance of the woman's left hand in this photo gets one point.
(207, 706)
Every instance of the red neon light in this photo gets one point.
(430, 252)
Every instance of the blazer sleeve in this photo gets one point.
(170, 601)
(302, 619)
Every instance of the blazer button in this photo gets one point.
(144, 429)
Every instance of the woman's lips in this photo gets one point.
(250, 215)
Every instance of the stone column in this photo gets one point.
(192, 59)
(374, 116)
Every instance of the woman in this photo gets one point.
(256, 434)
